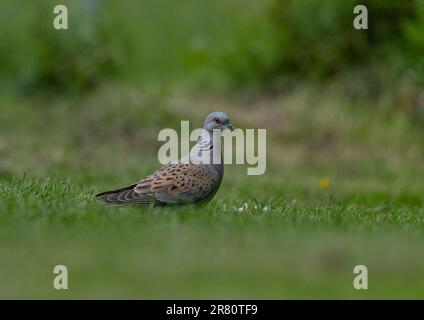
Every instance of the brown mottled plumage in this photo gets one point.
(181, 182)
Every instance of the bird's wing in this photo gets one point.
(177, 183)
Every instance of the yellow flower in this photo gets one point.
(324, 183)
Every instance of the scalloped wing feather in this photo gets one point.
(178, 183)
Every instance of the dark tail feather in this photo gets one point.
(115, 197)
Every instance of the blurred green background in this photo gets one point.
(80, 111)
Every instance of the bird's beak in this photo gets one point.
(230, 127)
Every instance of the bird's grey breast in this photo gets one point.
(218, 172)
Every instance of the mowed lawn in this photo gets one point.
(343, 187)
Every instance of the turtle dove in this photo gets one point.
(194, 179)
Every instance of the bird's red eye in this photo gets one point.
(216, 120)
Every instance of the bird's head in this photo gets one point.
(217, 120)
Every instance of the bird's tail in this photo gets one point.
(117, 197)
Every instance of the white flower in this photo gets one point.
(266, 208)
(242, 208)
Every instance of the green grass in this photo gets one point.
(292, 250)
(57, 153)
